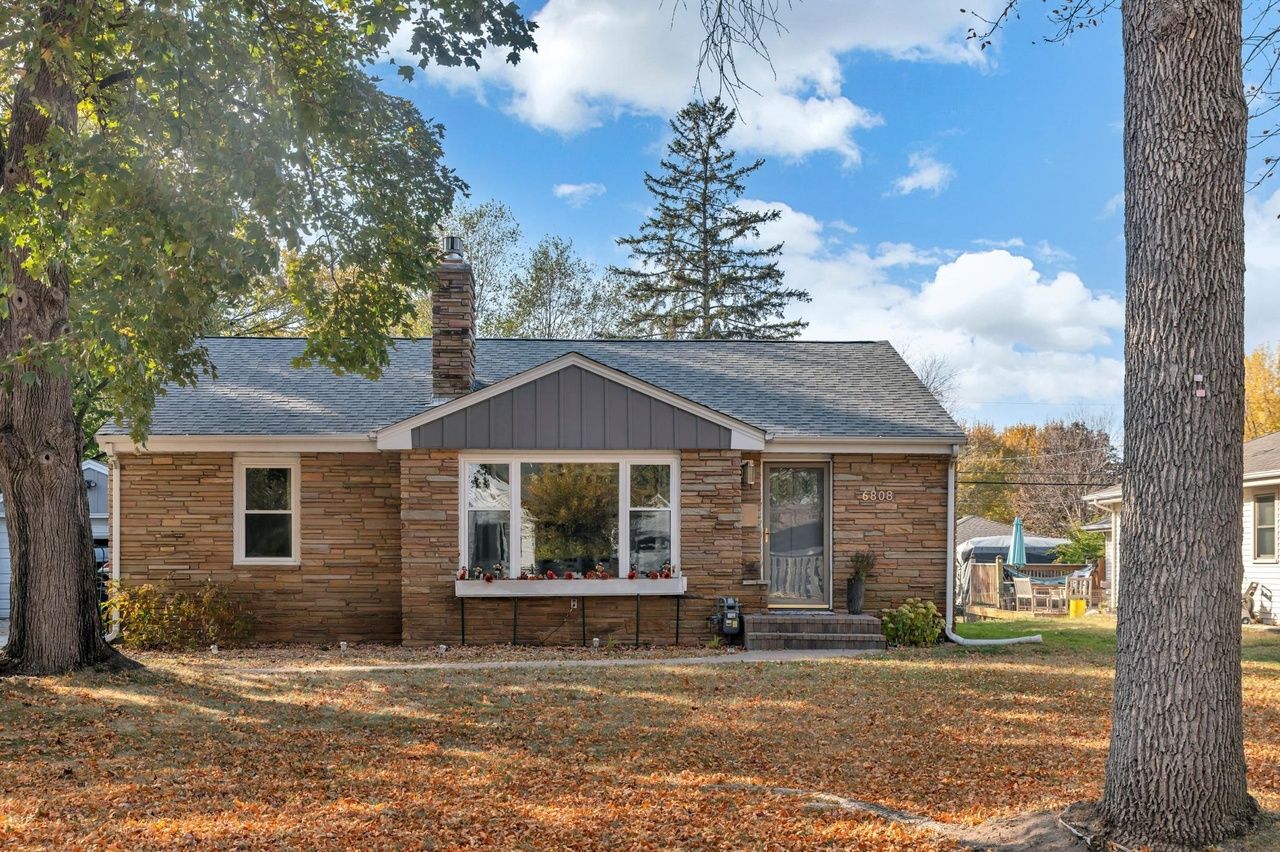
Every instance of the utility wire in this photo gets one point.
(1021, 482)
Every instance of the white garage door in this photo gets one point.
(4, 570)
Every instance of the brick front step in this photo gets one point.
(767, 641)
(814, 630)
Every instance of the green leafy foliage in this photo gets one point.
(917, 623)
(182, 619)
(1082, 546)
(226, 152)
(557, 294)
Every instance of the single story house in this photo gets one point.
(95, 478)
(1258, 504)
(669, 473)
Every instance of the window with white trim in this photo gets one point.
(553, 514)
(1264, 526)
(266, 510)
(650, 517)
(488, 490)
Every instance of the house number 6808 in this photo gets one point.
(871, 495)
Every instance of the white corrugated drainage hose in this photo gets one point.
(951, 571)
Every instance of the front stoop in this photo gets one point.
(812, 631)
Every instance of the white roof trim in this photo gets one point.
(339, 443)
(398, 436)
(836, 444)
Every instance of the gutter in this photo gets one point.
(949, 624)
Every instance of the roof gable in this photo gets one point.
(571, 403)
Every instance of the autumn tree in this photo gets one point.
(1261, 392)
(157, 159)
(1038, 471)
(697, 271)
(984, 474)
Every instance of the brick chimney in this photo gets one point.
(453, 347)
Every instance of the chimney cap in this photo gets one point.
(452, 248)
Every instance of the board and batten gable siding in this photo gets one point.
(572, 409)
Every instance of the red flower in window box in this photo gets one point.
(462, 573)
(550, 575)
(631, 575)
(488, 578)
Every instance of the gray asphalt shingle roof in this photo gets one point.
(1262, 454)
(790, 389)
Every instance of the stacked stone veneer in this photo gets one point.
(380, 546)
(453, 347)
(176, 531)
(908, 533)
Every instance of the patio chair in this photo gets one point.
(1023, 592)
(1054, 597)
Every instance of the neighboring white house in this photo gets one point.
(95, 476)
(1261, 486)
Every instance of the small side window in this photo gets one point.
(1264, 527)
(266, 511)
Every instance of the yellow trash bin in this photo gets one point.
(1075, 607)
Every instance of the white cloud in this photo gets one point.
(578, 194)
(598, 59)
(1047, 252)
(1114, 205)
(1262, 269)
(925, 173)
(1013, 332)
(1012, 242)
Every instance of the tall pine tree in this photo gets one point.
(696, 272)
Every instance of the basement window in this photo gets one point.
(266, 510)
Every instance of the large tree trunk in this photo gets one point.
(1176, 769)
(56, 625)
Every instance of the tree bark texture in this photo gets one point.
(55, 623)
(1176, 770)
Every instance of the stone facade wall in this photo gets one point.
(380, 546)
(429, 553)
(907, 532)
(176, 530)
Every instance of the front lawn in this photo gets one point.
(655, 757)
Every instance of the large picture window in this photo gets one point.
(1264, 526)
(266, 510)
(549, 514)
(568, 517)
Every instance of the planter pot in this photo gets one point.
(854, 591)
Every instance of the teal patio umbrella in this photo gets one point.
(1017, 546)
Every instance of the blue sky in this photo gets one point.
(958, 204)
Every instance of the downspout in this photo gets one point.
(113, 477)
(951, 569)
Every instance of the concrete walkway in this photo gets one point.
(717, 660)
